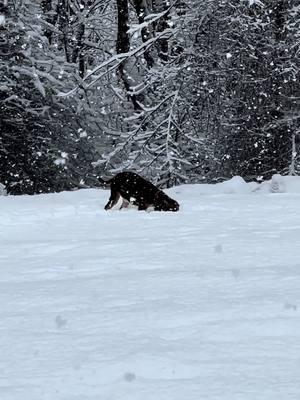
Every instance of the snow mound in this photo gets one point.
(281, 184)
(235, 185)
(238, 186)
(277, 184)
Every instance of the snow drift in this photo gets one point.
(199, 304)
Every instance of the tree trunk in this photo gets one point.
(46, 6)
(123, 46)
(162, 44)
(142, 11)
(78, 52)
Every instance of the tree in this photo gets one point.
(39, 131)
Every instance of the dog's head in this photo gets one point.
(162, 202)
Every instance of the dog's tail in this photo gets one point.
(103, 183)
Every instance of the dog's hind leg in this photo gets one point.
(114, 198)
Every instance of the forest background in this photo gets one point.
(182, 91)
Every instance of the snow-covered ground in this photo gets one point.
(127, 305)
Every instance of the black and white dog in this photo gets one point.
(135, 190)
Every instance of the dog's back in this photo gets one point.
(133, 183)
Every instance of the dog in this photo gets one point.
(137, 191)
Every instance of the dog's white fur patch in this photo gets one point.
(129, 205)
(118, 204)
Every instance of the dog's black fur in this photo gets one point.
(137, 191)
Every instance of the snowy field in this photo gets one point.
(127, 305)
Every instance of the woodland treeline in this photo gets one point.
(182, 91)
